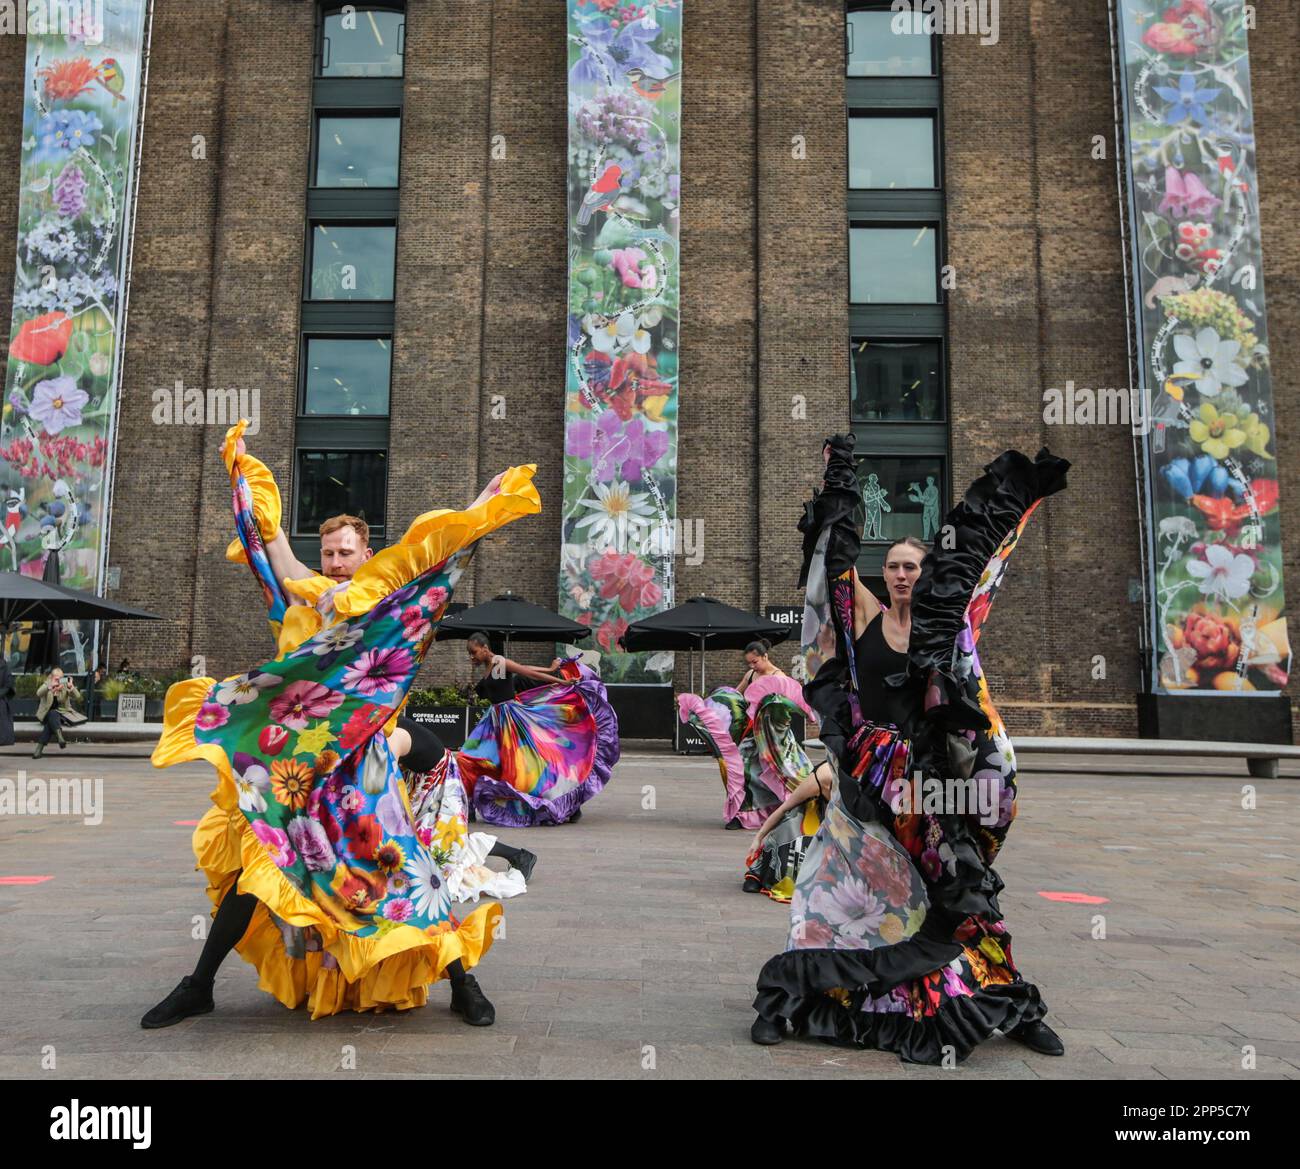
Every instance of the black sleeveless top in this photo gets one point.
(876, 660)
(495, 690)
(426, 748)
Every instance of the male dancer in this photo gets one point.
(344, 549)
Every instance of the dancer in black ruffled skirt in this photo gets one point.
(896, 938)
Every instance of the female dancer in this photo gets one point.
(315, 869)
(760, 665)
(781, 844)
(896, 939)
(748, 728)
(536, 758)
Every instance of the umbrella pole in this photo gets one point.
(702, 694)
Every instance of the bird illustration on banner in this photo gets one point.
(602, 194)
(649, 87)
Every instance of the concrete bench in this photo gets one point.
(26, 731)
(1261, 758)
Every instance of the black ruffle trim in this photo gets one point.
(792, 986)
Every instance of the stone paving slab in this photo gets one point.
(633, 955)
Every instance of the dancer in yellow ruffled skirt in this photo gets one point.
(313, 863)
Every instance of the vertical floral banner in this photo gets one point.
(620, 446)
(79, 126)
(1215, 549)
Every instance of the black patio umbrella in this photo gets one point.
(513, 618)
(24, 599)
(702, 623)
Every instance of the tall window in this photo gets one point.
(897, 315)
(346, 344)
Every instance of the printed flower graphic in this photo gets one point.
(378, 670)
(57, 402)
(1210, 359)
(1217, 434)
(1222, 573)
(310, 840)
(626, 577)
(291, 783)
(1187, 101)
(246, 687)
(211, 716)
(1186, 195)
(361, 724)
(275, 842)
(619, 516)
(302, 701)
(252, 784)
(1188, 28)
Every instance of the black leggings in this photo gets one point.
(231, 923)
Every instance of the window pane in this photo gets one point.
(893, 265)
(902, 496)
(891, 153)
(884, 45)
(362, 42)
(347, 376)
(897, 381)
(352, 263)
(357, 152)
(333, 482)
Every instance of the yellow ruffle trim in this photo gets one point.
(436, 535)
(390, 971)
(267, 508)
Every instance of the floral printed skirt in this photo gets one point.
(538, 759)
(859, 968)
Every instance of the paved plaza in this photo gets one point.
(634, 953)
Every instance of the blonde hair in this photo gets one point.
(356, 523)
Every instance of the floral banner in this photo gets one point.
(80, 121)
(1215, 548)
(620, 447)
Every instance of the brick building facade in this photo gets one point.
(1032, 234)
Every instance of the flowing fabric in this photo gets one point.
(896, 940)
(750, 735)
(311, 814)
(538, 759)
(440, 811)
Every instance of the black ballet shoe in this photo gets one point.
(525, 862)
(468, 1001)
(752, 885)
(767, 1033)
(734, 824)
(189, 998)
(1037, 1036)
(575, 817)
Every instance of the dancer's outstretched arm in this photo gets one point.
(533, 673)
(812, 786)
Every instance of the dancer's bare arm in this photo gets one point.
(818, 783)
(533, 673)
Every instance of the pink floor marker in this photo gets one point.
(185, 823)
(1075, 898)
(23, 880)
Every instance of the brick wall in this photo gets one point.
(1033, 234)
